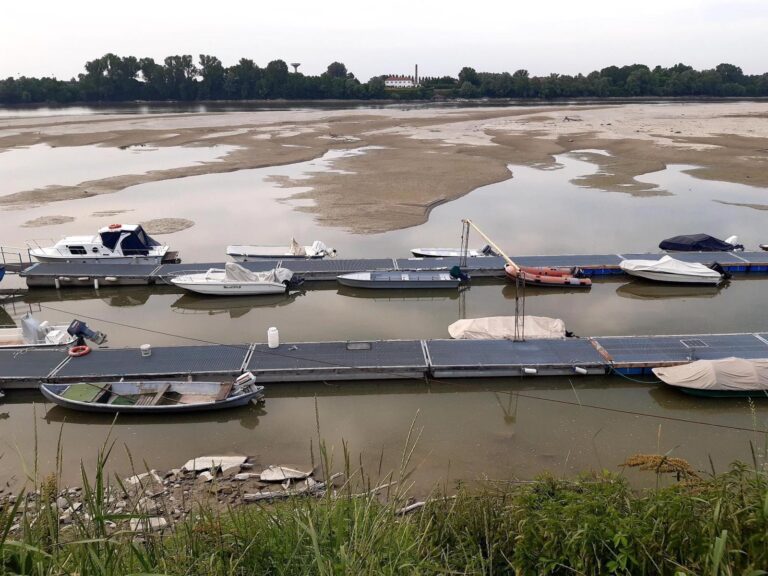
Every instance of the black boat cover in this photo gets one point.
(698, 243)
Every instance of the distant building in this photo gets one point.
(399, 82)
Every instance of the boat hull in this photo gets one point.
(256, 257)
(98, 260)
(233, 288)
(675, 278)
(231, 402)
(723, 393)
(445, 253)
(400, 281)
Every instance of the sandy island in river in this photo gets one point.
(423, 156)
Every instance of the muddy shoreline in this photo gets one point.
(417, 158)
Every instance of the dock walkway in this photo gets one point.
(74, 274)
(382, 359)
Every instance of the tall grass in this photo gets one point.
(596, 524)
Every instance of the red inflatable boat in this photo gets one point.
(555, 277)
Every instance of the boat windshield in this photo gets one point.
(109, 239)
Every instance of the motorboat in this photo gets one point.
(763, 246)
(401, 280)
(154, 397)
(234, 280)
(35, 334)
(2, 272)
(700, 243)
(718, 378)
(114, 244)
(246, 253)
(485, 251)
(668, 269)
(549, 277)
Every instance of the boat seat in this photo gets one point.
(224, 391)
(160, 393)
(145, 400)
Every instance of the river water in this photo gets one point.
(469, 430)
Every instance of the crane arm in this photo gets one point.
(493, 245)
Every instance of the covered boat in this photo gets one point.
(726, 377)
(154, 397)
(700, 243)
(452, 252)
(2, 271)
(35, 334)
(668, 269)
(234, 280)
(551, 277)
(114, 244)
(503, 327)
(245, 253)
(400, 280)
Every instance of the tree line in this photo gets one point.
(113, 78)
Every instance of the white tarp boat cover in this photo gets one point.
(669, 265)
(297, 249)
(503, 327)
(235, 273)
(727, 374)
(319, 248)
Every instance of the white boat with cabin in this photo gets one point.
(113, 244)
(234, 280)
(35, 334)
(668, 269)
(246, 253)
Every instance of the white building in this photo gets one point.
(399, 82)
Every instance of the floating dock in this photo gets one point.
(102, 275)
(381, 359)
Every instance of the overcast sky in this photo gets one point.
(56, 37)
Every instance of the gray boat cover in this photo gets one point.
(735, 374)
(235, 273)
(503, 328)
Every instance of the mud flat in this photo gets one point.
(418, 158)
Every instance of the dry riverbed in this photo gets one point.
(418, 158)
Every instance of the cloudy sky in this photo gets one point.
(53, 37)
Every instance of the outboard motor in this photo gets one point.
(718, 268)
(487, 251)
(80, 330)
(457, 273)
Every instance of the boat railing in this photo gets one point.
(12, 258)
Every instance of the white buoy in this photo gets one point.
(95, 283)
(146, 350)
(273, 337)
(530, 370)
(580, 370)
(57, 283)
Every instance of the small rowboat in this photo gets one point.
(452, 252)
(154, 397)
(542, 276)
(400, 280)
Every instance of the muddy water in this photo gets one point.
(500, 428)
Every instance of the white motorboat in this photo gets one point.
(114, 244)
(452, 252)
(668, 269)
(234, 280)
(246, 253)
(35, 334)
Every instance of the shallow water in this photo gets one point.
(470, 428)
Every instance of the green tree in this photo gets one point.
(468, 75)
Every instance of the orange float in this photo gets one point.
(541, 276)
(77, 351)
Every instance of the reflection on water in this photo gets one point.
(655, 291)
(67, 166)
(234, 306)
